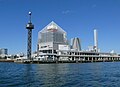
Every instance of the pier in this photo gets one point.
(72, 59)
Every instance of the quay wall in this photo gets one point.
(84, 60)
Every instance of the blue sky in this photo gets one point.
(77, 17)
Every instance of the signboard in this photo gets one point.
(63, 47)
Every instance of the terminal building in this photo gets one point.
(53, 45)
(50, 39)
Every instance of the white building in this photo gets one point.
(3, 52)
(53, 45)
(50, 39)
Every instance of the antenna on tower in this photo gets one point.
(30, 13)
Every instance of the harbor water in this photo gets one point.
(103, 74)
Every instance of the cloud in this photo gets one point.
(94, 6)
(66, 12)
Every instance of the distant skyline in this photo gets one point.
(77, 17)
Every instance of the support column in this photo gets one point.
(29, 44)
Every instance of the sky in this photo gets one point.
(77, 17)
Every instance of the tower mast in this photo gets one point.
(29, 27)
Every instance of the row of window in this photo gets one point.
(78, 53)
(55, 37)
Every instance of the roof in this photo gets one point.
(52, 26)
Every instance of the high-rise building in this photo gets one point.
(76, 44)
(50, 37)
(3, 51)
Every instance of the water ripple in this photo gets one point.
(60, 75)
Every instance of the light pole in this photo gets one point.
(29, 27)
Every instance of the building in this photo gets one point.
(53, 45)
(76, 44)
(50, 39)
(3, 52)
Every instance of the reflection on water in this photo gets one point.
(53, 74)
(60, 75)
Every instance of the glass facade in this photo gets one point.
(3, 51)
(52, 33)
(76, 44)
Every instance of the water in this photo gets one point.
(102, 74)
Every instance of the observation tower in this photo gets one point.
(29, 27)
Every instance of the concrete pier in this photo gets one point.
(74, 60)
